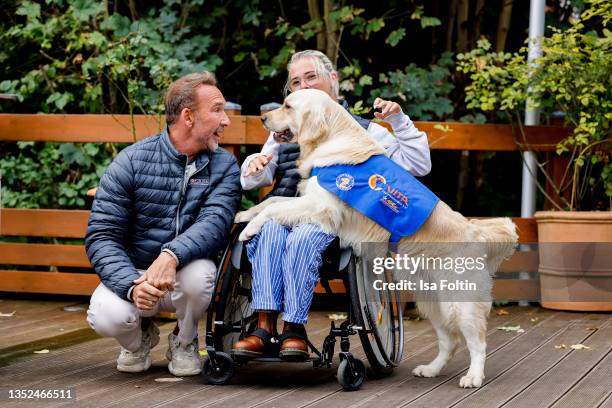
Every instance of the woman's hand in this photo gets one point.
(386, 108)
(257, 164)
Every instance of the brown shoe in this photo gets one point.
(261, 342)
(293, 343)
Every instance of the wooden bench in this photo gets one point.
(50, 260)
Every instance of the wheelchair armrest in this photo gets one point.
(345, 258)
(237, 248)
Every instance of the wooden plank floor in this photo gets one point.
(524, 369)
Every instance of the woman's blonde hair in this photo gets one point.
(323, 67)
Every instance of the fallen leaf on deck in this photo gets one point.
(511, 329)
(137, 386)
(561, 346)
(73, 308)
(502, 312)
(8, 314)
(337, 316)
(43, 351)
(534, 319)
(168, 379)
(203, 353)
(579, 347)
(592, 328)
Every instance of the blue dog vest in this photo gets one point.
(382, 191)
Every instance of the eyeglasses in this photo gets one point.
(308, 80)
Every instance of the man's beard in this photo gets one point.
(212, 144)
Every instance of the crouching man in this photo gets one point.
(163, 209)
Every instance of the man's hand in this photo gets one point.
(161, 274)
(145, 295)
(257, 164)
(386, 108)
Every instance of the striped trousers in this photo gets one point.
(285, 263)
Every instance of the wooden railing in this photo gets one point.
(51, 260)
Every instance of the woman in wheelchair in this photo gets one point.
(285, 262)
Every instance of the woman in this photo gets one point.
(286, 261)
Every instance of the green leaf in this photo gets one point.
(240, 56)
(430, 22)
(417, 13)
(443, 128)
(365, 80)
(395, 36)
(375, 25)
(60, 99)
(29, 9)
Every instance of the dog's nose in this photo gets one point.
(264, 118)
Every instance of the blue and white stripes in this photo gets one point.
(286, 266)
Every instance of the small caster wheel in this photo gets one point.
(222, 373)
(351, 380)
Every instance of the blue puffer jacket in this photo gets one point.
(143, 205)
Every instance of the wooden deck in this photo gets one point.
(524, 369)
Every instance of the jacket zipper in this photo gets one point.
(183, 189)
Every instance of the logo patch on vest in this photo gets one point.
(391, 196)
(382, 191)
(198, 182)
(345, 181)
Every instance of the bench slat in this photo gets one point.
(43, 223)
(73, 223)
(527, 229)
(97, 128)
(48, 282)
(248, 130)
(527, 261)
(515, 289)
(43, 254)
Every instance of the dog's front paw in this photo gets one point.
(471, 381)
(425, 371)
(249, 231)
(242, 216)
(245, 235)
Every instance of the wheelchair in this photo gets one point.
(374, 316)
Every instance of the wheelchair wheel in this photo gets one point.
(380, 315)
(351, 380)
(222, 373)
(233, 306)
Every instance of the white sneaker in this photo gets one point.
(184, 360)
(139, 360)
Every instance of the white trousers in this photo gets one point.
(111, 316)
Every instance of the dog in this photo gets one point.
(328, 135)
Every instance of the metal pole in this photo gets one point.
(532, 117)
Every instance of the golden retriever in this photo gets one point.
(327, 135)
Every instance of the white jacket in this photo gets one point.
(409, 148)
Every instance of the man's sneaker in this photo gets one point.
(184, 360)
(139, 360)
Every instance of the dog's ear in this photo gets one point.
(314, 125)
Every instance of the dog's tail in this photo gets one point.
(500, 238)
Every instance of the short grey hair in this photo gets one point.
(323, 67)
(182, 93)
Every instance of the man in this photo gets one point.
(164, 207)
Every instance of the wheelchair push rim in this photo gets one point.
(380, 315)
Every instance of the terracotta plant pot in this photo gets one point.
(575, 260)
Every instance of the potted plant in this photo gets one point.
(573, 74)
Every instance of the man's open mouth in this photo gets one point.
(284, 136)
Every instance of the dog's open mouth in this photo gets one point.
(284, 136)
